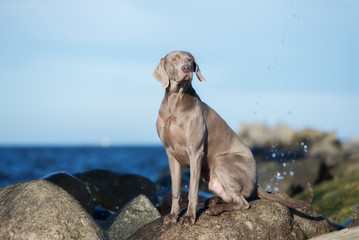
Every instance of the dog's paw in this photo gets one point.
(170, 218)
(187, 220)
(214, 210)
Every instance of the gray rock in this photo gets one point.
(128, 220)
(42, 210)
(264, 220)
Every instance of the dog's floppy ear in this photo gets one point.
(160, 74)
(197, 71)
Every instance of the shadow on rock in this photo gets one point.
(112, 190)
(75, 187)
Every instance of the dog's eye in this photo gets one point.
(174, 59)
(190, 60)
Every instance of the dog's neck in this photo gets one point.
(177, 91)
(181, 88)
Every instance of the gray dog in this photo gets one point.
(196, 137)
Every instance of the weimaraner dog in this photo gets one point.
(196, 137)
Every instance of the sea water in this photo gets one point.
(19, 164)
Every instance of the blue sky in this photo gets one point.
(80, 72)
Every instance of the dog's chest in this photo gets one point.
(173, 136)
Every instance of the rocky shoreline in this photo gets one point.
(102, 204)
(41, 209)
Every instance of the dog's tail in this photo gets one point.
(291, 203)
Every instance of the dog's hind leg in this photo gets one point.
(232, 182)
(225, 200)
(239, 203)
(210, 202)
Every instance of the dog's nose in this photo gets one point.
(186, 68)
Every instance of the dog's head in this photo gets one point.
(177, 66)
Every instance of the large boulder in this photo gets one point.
(42, 210)
(264, 220)
(112, 190)
(130, 218)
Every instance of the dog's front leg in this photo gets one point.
(195, 153)
(195, 170)
(176, 178)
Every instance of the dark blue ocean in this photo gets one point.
(18, 164)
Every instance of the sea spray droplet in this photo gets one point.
(291, 173)
(305, 148)
(279, 177)
(274, 155)
(284, 164)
